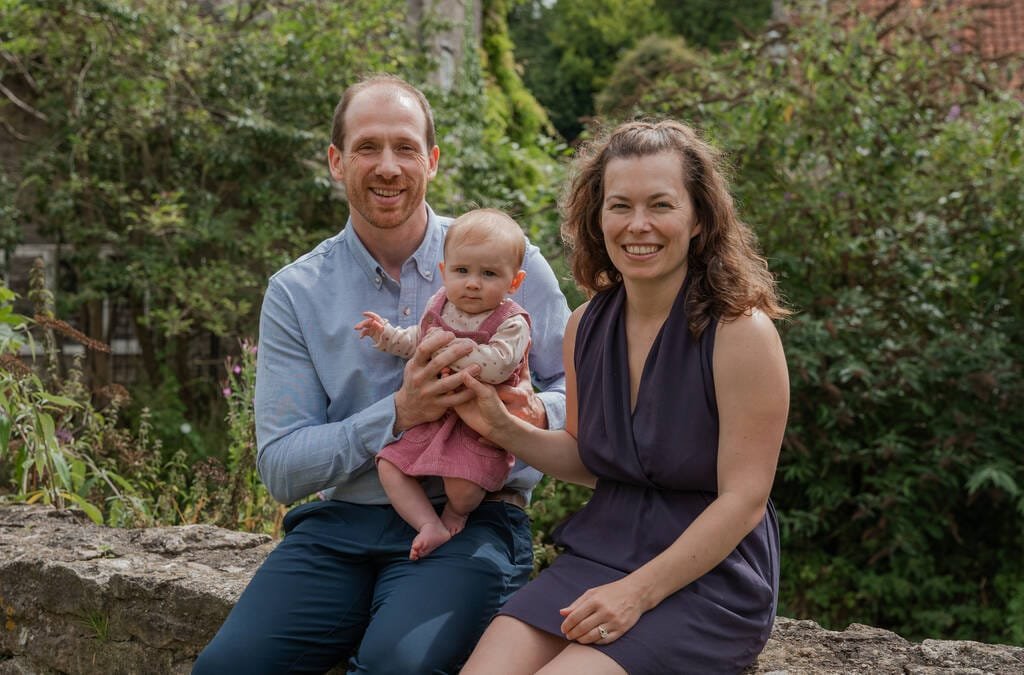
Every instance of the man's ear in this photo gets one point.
(517, 281)
(335, 163)
(432, 156)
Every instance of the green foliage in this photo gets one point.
(36, 443)
(246, 502)
(569, 48)
(181, 161)
(884, 176)
(714, 23)
(10, 215)
(553, 501)
(654, 58)
(58, 446)
(518, 113)
(97, 623)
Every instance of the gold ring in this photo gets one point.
(602, 632)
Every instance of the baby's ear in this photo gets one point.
(517, 280)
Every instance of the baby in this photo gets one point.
(483, 253)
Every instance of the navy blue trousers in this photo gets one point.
(340, 588)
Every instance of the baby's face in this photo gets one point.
(478, 276)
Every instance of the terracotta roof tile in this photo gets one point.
(1000, 23)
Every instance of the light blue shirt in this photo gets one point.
(325, 398)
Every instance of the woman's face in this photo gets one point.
(647, 218)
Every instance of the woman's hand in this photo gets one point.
(521, 400)
(485, 412)
(603, 614)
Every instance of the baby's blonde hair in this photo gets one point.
(487, 225)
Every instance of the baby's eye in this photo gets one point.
(461, 270)
(489, 273)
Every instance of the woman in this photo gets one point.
(677, 396)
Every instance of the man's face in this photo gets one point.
(385, 164)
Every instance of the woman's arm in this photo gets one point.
(552, 452)
(752, 390)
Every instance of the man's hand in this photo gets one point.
(522, 401)
(427, 391)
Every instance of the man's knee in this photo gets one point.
(427, 649)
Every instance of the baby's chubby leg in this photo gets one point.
(463, 497)
(410, 501)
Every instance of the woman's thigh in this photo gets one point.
(510, 646)
(577, 658)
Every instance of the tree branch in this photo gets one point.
(13, 98)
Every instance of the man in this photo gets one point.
(340, 584)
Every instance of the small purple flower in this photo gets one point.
(226, 391)
(236, 370)
(64, 436)
(956, 48)
(954, 112)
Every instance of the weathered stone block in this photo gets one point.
(81, 599)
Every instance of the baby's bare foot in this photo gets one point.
(430, 537)
(453, 520)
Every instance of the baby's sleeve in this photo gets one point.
(398, 341)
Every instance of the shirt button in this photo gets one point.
(406, 311)
(377, 280)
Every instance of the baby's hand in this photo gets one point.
(372, 326)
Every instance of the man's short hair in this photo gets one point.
(380, 80)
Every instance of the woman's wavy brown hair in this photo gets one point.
(728, 275)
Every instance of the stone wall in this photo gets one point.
(82, 599)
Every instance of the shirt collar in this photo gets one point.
(425, 257)
(429, 253)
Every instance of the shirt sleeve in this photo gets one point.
(299, 451)
(399, 341)
(500, 357)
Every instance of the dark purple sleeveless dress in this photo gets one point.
(656, 471)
